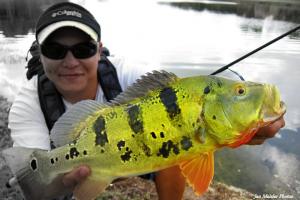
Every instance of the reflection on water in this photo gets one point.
(280, 10)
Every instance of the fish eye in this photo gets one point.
(240, 90)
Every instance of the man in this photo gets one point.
(70, 46)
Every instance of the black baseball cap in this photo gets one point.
(66, 14)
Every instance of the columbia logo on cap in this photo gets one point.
(67, 13)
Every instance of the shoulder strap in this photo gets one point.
(108, 78)
(50, 100)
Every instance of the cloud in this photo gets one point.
(285, 168)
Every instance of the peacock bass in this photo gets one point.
(158, 122)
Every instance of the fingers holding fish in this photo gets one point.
(267, 132)
(77, 175)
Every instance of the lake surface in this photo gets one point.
(187, 38)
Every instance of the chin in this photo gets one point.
(70, 89)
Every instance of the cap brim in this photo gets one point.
(42, 36)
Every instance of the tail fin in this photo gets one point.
(26, 164)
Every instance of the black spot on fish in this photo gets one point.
(135, 118)
(112, 115)
(153, 135)
(169, 99)
(166, 149)
(74, 153)
(206, 90)
(186, 143)
(84, 152)
(99, 128)
(52, 161)
(146, 150)
(121, 144)
(176, 150)
(214, 117)
(67, 157)
(102, 151)
(56, 159)
(163, 125)
(127, 155)
(162, 135)
(33, 164)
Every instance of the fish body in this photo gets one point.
(159, 122)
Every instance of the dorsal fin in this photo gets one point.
(63, 130)
(148, 82)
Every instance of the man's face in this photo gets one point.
(71, 75)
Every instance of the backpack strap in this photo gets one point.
(108, 78)
(50, 101)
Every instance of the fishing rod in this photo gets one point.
(254, 51)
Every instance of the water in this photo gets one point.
(190, 38)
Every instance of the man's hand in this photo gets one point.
(170, 184)
(71, 179)
(267, 132)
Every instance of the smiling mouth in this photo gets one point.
(70, 75)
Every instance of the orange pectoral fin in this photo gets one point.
(199, 172)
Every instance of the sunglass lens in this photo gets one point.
(54, 51)
(84, 50)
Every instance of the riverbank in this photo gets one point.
(13, 193)
(259, 9)
(130, 189)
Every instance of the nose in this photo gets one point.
(70, 61)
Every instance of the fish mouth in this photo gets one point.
(271, 115)
(272, 107)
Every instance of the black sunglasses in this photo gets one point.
(58, 51)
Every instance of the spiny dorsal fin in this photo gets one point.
(63, 131)
(148, 82)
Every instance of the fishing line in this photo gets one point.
(254, 51)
